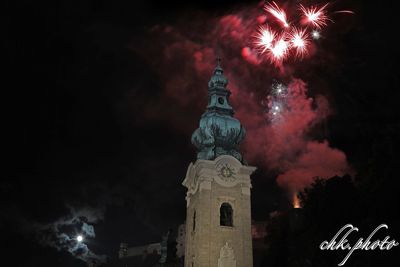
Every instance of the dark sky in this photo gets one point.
(75, 98)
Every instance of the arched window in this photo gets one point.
(226, 215)
(194, 221)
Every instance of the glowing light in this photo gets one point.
(279, 51)
(277, 105)
(315, 35)
(79, 238)
(278, 89)
(278, 44)
(265, 37)
(296, 201)
(277, 12)
(299, 40)
(314, 15)
(276, 108)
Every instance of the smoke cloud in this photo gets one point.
(185, 61)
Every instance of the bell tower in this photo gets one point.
(218, 215)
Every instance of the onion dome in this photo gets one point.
(219, 133)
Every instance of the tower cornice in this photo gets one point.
(209, 171)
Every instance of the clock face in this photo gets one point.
(226, 173)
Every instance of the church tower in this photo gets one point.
(218, 216)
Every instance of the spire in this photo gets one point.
(218, 94)
(219, 133)
(218, 61)
(218, 80)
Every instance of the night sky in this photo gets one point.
(90, 126)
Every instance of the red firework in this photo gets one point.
(276, 44)
(264, 38)
(279, 51)
(299, 40)
(315, 16)
(277, 12)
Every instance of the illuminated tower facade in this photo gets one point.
(218, 218)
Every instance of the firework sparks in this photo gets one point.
(277, 44)
(315, 34)
(279, 51)
(315, 16)
(277, 12)
(299, 40)
(279, 89)
(265, 37)
(276, 101)
(276, 108)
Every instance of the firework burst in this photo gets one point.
(315, 16)
(279, 51)
(278, 89)
(265, 38)
(277, 44)
(277, 12)
(299, 41)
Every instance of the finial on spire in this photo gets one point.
(218, 54)
(218, 79)
(218, 61)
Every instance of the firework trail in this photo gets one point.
(277, 12)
